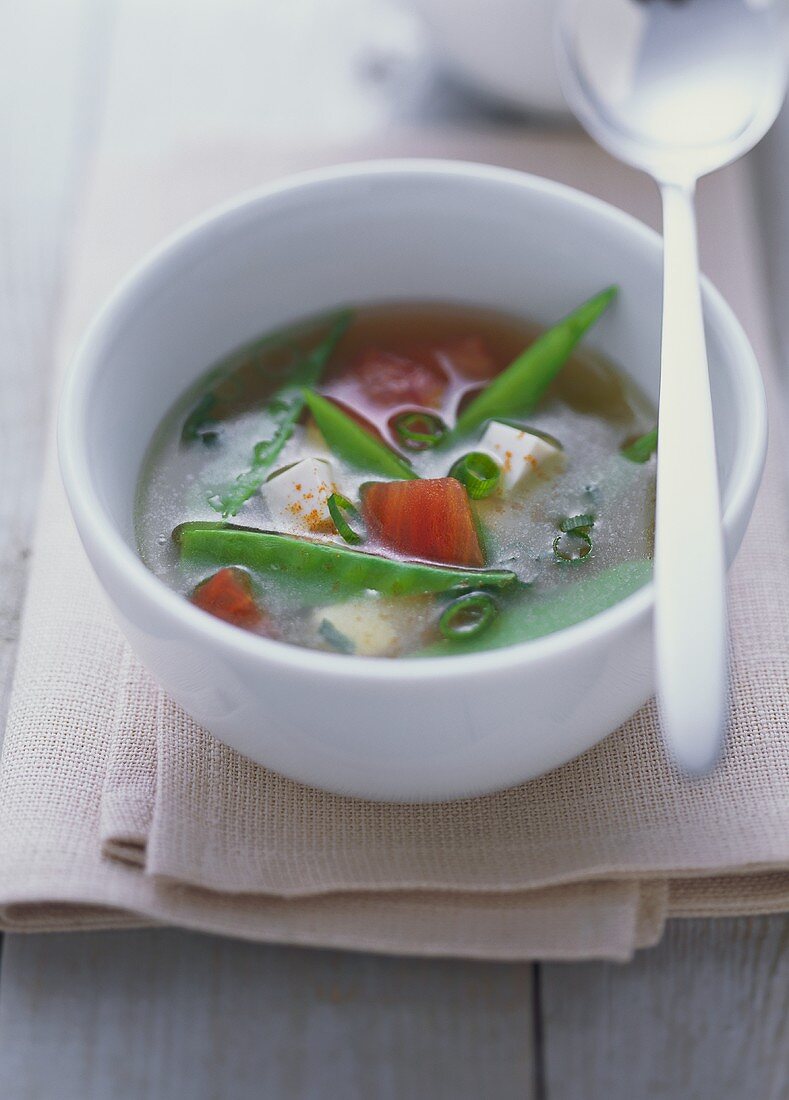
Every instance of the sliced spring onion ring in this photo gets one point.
(468, 615)
(338, 505)
(479, 472)
(574, 544)
(577, 523)
(419, 430)
(572, 547)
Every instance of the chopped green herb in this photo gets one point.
(335, 638)
(418, 431)
(338, 505)
(468, 615)
(479, 472)
(280, 415)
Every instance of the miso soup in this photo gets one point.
(406, 480)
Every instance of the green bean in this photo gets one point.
(321, 572)
(282, 411)
(641, 449)
(517, 390)
(545, 613)
(350, 442)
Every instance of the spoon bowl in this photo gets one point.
(679, 88)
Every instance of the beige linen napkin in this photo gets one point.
(115, 808)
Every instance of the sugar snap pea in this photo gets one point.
(350, 442)
(641, 449)
(279, 416)
(516, 391)
(322, 572)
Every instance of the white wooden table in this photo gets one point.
(163, 1013)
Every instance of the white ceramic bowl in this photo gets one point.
(401, 729)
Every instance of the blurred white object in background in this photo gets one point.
(502, 47)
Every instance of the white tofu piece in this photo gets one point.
(370, 627)
(519, 453)
(297, 497)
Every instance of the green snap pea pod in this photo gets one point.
(350, 442)
(280, 415)
(322, 572)
(545, 613)
(516, 391)
(641, 449)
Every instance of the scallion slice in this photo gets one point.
(468, 615)
(335, 638)
(574, 544)
(577, 523)
(479, 472)
(417, 431)
(338, 506)
(572, 547)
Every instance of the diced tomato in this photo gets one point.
(467, 357)
(387, 379)
(427, 519)
(228, 595)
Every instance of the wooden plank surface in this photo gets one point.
(164, 1013)
(160, 1014)
(52, 62)
(703, 1016)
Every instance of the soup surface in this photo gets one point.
(405, 480)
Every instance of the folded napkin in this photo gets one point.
(116, 809)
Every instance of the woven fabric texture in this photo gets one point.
(116, 809)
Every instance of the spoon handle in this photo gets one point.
(690, 594)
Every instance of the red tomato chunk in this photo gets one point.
(388, 379)
(427, 519)
(228, 595)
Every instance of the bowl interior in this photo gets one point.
(464, 233)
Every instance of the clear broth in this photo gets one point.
(592, 409)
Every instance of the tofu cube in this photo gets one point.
(364, 626)
(297, 497)
(519, 453)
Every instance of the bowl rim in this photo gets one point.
(97, 528)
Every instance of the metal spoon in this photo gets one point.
(679, 88)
